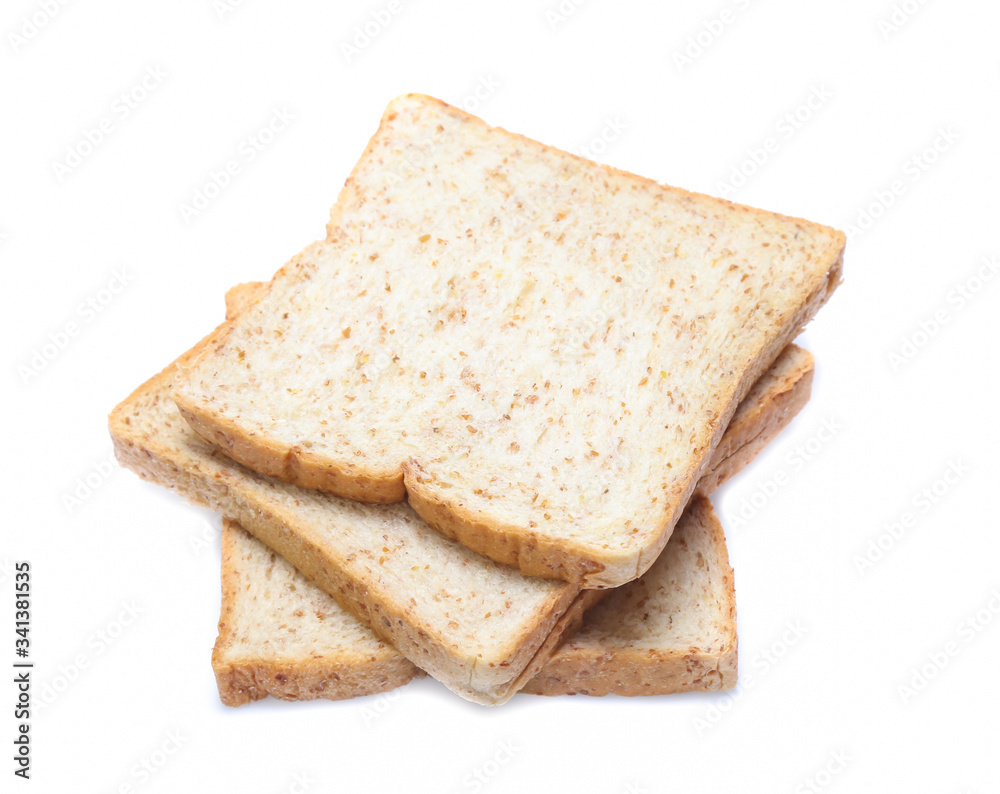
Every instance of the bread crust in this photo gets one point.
(534, 553)
(290, 464)
(772, 403)
(243, 681)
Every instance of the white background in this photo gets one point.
(811, 505)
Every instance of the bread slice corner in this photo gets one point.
(672, 630)
(281, 636)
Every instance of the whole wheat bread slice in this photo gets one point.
(280, 635)
(540, 351)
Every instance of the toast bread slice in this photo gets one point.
(540, 352)
(280, 635)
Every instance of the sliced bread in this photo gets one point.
(280, 635)
(540, 351)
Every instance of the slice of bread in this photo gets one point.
(281, 635)
(540, 351)
(671, 630)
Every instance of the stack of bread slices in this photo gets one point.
(472, 433)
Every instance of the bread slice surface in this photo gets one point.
(539, 351)
(281, 635)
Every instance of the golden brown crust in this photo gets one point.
(633, 673)
(246, 680)
(568, 624)
(289, 463)
(772, 403)
(817, 298)
(740, 443)
(532, 554)
(392, 621)
(242, 295)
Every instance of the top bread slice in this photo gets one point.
(540, 351)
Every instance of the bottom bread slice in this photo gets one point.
(280, 635)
